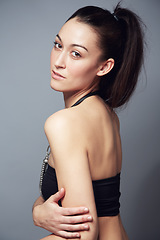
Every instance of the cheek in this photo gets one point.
(82, 70)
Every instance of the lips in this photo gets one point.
(57, 75)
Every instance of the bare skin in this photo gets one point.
(64, 222)
(84, 140)
(104, 136)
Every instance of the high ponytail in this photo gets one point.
(121, 38)
(132, 57)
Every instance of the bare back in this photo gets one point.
(101, 128)
(98, 129)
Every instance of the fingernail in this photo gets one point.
(77, 235)
(89, 218)
(86, 209)
(86, 226)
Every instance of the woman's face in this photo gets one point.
(75, 58)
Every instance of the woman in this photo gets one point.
(95, 63)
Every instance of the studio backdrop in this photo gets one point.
(27, 32)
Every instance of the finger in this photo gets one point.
(75, 227)
(76, 219)
(57, 196)
(74, 211)
(69, 235)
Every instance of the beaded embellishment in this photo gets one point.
(44, 168)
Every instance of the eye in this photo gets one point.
(57, 45)
(76, 54)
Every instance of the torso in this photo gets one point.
(98, 127)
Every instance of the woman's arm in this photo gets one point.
(59, 220)
(67, 143)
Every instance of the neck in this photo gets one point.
(71, 98)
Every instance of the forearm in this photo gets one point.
(91, 234)
(54, 237)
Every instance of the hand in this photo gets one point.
(63, 222)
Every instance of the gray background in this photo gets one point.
(27, 29)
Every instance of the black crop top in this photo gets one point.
(106, 192)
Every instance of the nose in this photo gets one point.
(60, 61)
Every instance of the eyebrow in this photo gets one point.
(73, 45)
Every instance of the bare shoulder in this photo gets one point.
(55, 120)
(62, 121)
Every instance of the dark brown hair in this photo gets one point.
(121, 38)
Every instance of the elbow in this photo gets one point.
(96, 231)
(92, 234)
(95, 228)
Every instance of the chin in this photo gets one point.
(55, 86)
(59, 86)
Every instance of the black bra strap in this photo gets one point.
(84, 97)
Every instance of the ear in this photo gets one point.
(106, 67)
